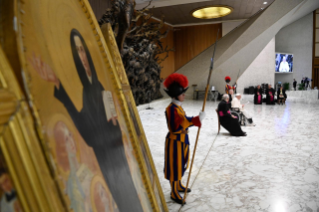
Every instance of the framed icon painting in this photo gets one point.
(80, 111)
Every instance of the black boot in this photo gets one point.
(179, 201)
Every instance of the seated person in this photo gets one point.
(281, 95)
(228, 121)
(236, 104)
(270, 92)
(258, 98)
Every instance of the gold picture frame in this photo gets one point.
(134, 120)
(44, 30)
(22, 153)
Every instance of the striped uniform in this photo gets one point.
(177, 143)
(228, 87)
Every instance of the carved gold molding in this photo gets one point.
(8, 105)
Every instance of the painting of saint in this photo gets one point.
(96, 122)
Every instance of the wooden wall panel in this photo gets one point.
(99, 7)
(168, 65)
(192, 40)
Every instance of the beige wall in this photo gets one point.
(296, 38)
(261, 70)
(229, 26)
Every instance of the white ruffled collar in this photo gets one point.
(176, 102)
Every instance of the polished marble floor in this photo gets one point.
(275, 168)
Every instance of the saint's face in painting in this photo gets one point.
(82, 54)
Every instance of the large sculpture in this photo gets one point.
(138, 40)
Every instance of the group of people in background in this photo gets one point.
(177, 150)
(177, 143)
(270, 95)
(304, 85)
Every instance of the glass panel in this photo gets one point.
(317, 20)
(317, 35)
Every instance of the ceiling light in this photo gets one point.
(209, 12)
(265, 2)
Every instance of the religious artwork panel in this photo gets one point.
(75, 95)
(136, 122)
(133, 113)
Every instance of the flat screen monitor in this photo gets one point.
(284, 63)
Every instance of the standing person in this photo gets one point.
(294, 84)
(228, 86)
(228, 121)
(306, 81)
(177, 141)
(303, 81)
(258, 98)
(270, 98)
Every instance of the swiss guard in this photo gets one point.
(177, 142)
(228, 86)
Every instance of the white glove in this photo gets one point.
(201, 115)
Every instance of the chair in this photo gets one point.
(213, 94)
(218, 121)
(251, 90)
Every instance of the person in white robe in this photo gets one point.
(235, 103)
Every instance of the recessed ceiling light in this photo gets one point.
(209, 12)
(265, 2)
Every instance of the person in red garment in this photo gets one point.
(177, 141)
(270, 92)
(258, 97)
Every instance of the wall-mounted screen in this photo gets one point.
(284, 62)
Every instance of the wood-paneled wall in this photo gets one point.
(192, 40)
(99, 7)
(168, 65)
